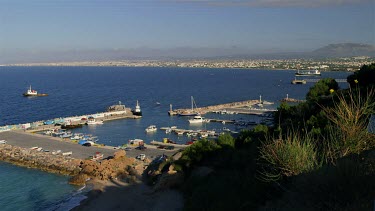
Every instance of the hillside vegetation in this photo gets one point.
(319, 156)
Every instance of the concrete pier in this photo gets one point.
(204, 110)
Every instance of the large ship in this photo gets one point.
(308, 73)
(32, 93)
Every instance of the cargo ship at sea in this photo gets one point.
(308, 73)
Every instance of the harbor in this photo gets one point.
(50, 144)
(113, 112)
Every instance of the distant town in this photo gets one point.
(336, 64)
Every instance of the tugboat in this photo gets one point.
(137, 111)
(33, 93)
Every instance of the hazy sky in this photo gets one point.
(258, 25)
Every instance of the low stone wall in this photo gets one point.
(44, 161)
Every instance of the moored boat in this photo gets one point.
(137, 111)
(93, 121)
(196, 119)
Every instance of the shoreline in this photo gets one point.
(119, 195)
(104, 64)
(112, 181)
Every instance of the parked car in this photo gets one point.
(3, 142)
(169, 147)
(142, 147)
(141, 157)
(86, 144)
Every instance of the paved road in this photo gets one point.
(28, 140)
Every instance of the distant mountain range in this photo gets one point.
(329, 51)
(345, 50)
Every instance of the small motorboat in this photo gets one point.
(151, 128)
(196, 119)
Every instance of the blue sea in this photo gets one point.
(87, 90)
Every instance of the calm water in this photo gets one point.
(85, 90)
(30, 189)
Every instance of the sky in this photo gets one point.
(34, 26)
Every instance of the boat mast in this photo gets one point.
(192, 100)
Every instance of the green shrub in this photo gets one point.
(226, 140)
(288, 157)
(197, 151)
(322, 88)
(365, 77)
(350, 116)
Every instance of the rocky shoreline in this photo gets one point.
(118, 176)
(113, 167)
(44, 161)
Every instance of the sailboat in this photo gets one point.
(192, 112)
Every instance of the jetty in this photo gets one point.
(298, 81)
(338, 80)
(291, 100)
(207, 109)
(112, 113)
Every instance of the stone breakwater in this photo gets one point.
(45, 161)
(116, 166)
(203, 110)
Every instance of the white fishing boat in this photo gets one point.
(66, 135)
(93, 121)
(196, 119)
(151, 128)
(169, 130)
(32, 93)
(226, 129)
(137, 111)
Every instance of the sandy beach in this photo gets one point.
(117, 195)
